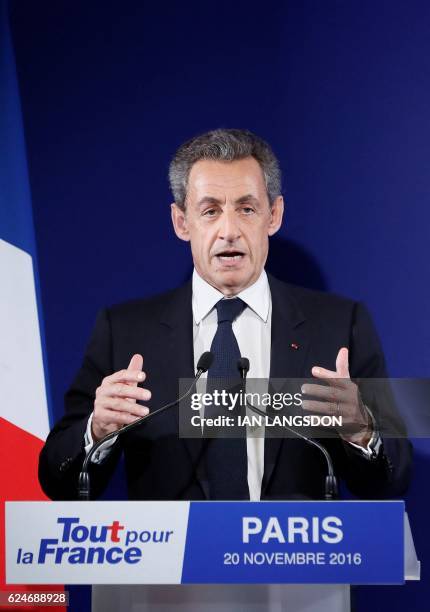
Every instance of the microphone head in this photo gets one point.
(243, 365)
(205, 361)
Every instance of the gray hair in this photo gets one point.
(223, 145)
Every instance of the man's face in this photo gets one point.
(228, 221)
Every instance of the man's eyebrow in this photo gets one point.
(211, 200)
(246, 198)
(208, 200)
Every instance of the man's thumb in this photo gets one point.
(342, 366)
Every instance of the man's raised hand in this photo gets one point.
(115, 404)
(340, 398)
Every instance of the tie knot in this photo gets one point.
(229, 309)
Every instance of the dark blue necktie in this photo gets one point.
(226, 458)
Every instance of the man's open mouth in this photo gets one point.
(230, 255)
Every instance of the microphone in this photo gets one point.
(203, 365)
(243, 366)
(330, 480)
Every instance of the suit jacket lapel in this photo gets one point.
(177, 318)
(289, 347)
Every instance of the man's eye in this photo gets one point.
(210, 212)
(248, 210)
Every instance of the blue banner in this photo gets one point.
(295, 542)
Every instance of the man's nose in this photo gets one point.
(229, 228)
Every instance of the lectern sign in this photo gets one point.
(95, 542)
(295, 542)
(204, 542)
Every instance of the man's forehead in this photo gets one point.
(218, 179)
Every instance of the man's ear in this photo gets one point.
(179, 222)
(277, 212)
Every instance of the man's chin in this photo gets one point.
(231, 282)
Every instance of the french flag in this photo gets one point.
(24, 414)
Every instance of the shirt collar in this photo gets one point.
(257, 297)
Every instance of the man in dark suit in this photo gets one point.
(226, 186)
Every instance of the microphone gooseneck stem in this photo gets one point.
(331, 490)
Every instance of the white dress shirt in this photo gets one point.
(252, 330)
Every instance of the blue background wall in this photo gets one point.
(342, 91)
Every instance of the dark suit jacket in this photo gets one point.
(159, 464)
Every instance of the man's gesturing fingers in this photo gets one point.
(125, 376)
(338, 378)
(123, 390)
(115, 403)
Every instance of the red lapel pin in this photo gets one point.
(294, 346)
